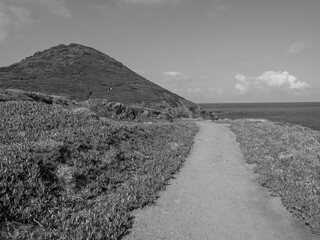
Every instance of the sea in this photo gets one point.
(302, 113)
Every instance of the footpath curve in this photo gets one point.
(215, 196)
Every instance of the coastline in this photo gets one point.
(106, 167)
(301, 113)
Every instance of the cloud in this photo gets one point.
(148, 2)
(56, 7)
(3, 22)
(216, 91)
(142, 1)
(17, 13)
(12, 16)
(268, 81)
(174, 76)
(296, 47)
(219, 8)
(200, 93)
(20, 15)
(223, 7)
(176, 90)
(196, 90)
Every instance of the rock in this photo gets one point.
(85, 112)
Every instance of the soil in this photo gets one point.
(217, 196)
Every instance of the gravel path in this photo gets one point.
(216, 196)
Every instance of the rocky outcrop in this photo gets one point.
(20, 95)
(92, 108)
(105, 108)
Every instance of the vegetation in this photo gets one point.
(67, 174)
(287, 157)
(105, 108)
(81, 73)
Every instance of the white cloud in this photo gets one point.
(176, 90)
(174, 76)
(3, 23)
(219, 8)
(17, 13)
(195, 90)
(268, 81)
(216, 91)
(223, 7)
(200, 93)
(20, 15)
(296, 47)
(56, 7)
(142, 1)
(12, 16)
(149, 2)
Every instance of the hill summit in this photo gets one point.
(82, 73)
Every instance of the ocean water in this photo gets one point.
(302, 113)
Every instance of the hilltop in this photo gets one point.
(82, 73)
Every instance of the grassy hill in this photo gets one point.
(83, 73)
(66, 173)
(68, 168)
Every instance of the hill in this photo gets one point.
(66, 173)
(81, 73)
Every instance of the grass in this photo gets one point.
(287, 158)
(69, 175)
(83, 73)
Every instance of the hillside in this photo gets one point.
(68, 174)
(83, 73)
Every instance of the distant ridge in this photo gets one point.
(81, 73)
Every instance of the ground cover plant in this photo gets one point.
(287, 158)
(69, 175)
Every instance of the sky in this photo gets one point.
(208, 51)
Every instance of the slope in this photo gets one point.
(83, 73)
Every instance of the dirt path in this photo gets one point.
(216, 197)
